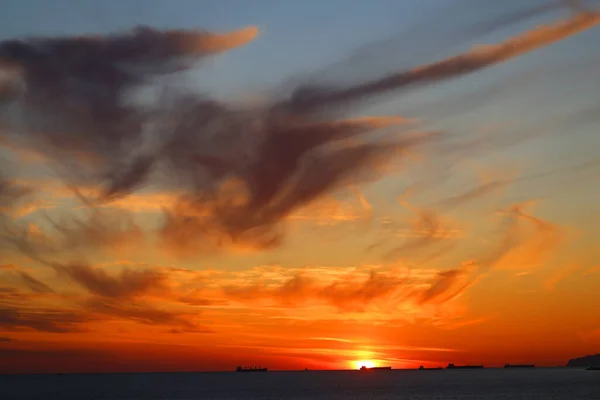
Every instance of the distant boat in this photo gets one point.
(422, 368)
(593, 369)
(452, 366)
(519, 366)
(250, 369)
(363, 368)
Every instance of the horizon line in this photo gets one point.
(233, 371)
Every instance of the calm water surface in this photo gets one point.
(547, 384)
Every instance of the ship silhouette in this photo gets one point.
(452, 366)
(519, 366)
(250, 369)
(422, 368)
(363, 368)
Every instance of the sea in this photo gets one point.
(505, 384)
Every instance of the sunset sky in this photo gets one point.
(452, 220)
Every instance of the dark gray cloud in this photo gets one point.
(34, 284)
(41, 319)
(238, 172)
(449, 68)
(12, 194)
(127, 284)
(143, 314)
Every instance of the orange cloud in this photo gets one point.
(143, 296)
(561, 275)
(146, 202)
(427, 229)
(203, 42)
(593, 270)
(331, 211)
(360, 290)
(536, 242)
(448, 285)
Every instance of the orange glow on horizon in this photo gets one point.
(364, 363)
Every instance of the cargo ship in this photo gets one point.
(250, 369)
(363, 368)
(452, 366)
(519, 366)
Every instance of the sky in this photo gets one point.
(299, 185)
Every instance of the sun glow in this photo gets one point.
(364, 363)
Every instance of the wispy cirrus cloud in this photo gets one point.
(129, 283)
(142, 295)
(34, 284)
(144, 313)
(355, 290)
(52, 320)
(538, 239)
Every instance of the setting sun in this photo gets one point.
(364, 363)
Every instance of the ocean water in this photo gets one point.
(546, 384)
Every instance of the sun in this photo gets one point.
(364, 363)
